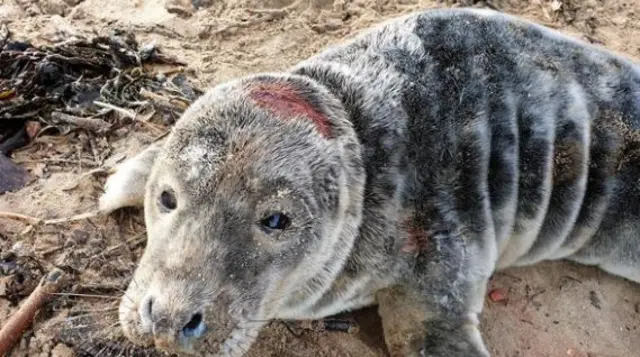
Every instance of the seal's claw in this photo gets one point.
(452, 339)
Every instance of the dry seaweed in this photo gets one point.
(58, 85)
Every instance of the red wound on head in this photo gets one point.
(285, 102)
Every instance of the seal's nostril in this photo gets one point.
(194, 322)
(149, 307)
(195, 327)
(146, 312)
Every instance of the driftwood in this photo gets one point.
(19, 322)
(95, 125)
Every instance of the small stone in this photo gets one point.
(620, 21)
(197, 4)
(497, 295)
(182, 8)
(32, 128)
(79, 237)
(20, 249)
(556, 5)
(61, 350)
(53, 7)
(121, 132)
(46, 348)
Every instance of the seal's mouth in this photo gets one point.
(239, 342)
(218, 331)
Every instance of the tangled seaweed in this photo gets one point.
(77, 82)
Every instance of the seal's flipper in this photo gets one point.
(414, 328)
(125, 186)
(452, 338)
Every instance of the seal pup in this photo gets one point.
(400, 169)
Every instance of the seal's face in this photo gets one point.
(246, 209)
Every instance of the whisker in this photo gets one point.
(101, 351)
(121, 351)
(108, 297)
(77, 327)
(101, 287)
(133, 279)
(96, 310)
(76, 317)
(129, 298)
(111, 335)
(259, 321)
(276, 299)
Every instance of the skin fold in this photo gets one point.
(399, 169)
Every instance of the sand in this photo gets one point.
(553, 309)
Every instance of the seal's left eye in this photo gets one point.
(276, 221)
(168, 200)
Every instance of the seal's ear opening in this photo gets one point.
(292, 98)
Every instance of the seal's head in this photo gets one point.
(251, 207)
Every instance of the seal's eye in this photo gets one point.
(168, 200)
(276, 221)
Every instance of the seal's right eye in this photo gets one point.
(168, 200)
(277, 221)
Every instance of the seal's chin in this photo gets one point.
(241, 339)
(237, 344)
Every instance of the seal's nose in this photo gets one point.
(169, 324)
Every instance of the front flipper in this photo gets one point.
(433, 310)
(126, 184)
(404, 320)
(412, 329)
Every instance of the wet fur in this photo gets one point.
(467, 141)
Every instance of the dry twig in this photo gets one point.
(127, 113)
(92, 124)
(37, 221)
(20, 217)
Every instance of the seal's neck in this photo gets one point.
(376, 188)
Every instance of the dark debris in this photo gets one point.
(69, 76)
(595, 300)
(19, 276)
(12, 176)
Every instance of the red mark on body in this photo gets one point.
(287, 103)
(417, 239)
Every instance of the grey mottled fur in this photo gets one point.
(463, 142)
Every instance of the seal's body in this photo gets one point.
(401, 168)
